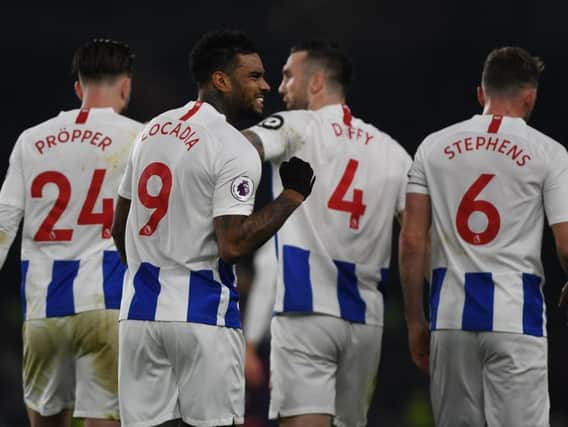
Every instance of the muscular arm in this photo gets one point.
(413, 248)
(10, 218)
(255, 140)
(560, 232)
(119, 226)
(239, 235)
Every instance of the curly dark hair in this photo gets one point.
(217, 50)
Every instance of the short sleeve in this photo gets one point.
(236, 180)
(555, 188)
(13, 189)
(280, 134)
(405, 165)
(125, 187)
(417, 182)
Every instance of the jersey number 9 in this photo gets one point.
(158, 202)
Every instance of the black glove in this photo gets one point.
(297, 175)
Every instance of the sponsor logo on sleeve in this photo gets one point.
(273, 122)
(242, 188)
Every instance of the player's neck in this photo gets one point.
(101, 97)
(317, 102)
(503, 108)
(214, 98)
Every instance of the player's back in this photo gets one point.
(337, 245)
(488, 178)
(180, 174)
(65, 174)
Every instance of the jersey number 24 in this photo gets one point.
(47, 231)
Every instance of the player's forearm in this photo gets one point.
(119, 226)
(241, 236)
(412, 252)
(10, 218)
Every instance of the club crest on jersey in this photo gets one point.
(273, 122)
(242, 188)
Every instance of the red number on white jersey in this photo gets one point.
(46, 231)
(158, 202)
(469, 205)
(338, 202)
(104, 218)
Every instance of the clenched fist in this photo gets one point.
(297, 175)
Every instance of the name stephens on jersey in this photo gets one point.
(183, 132)
(495, 144)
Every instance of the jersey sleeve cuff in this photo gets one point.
(124, 194)
(413, 187)
(557, 220)
(246, 211)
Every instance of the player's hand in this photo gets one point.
(563, 301)
(297, 175)
(419, 342)
(254, 371)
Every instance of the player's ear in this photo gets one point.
(480, 96)
(125, 88)
(78, 90)
(317, 82)
(529, 99)
(221, 81)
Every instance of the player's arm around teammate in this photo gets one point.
(180, 235)
(240, 235)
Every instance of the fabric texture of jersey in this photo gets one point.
(63, 178)
(491, 179)
(188, 166)
(334, 250)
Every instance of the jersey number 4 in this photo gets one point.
(469, 205)
(47, 231)
(338, 202)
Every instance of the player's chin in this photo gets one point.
(257, 109)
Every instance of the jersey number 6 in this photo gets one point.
(469, 205)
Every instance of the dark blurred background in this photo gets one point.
(417, 65)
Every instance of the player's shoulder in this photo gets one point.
(126, 122)
(541, 138)
(297, 119)
(49, 124)
(380, 138)
(446, 132)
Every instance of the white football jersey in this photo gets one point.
(64, 174)
(491, 179)
(334, 250)
(187, 166)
